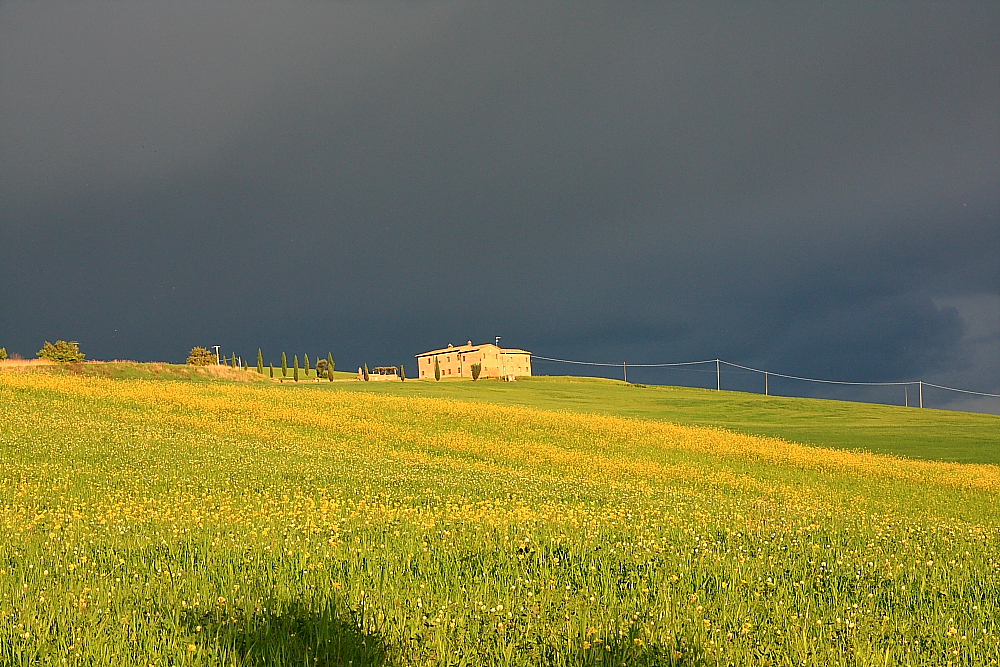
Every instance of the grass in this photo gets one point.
(135, 370)
(171, 522)
(940, 435)
(928, 434)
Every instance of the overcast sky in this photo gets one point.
(812, 188)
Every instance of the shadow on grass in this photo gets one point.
(626, 655)
(289, 633)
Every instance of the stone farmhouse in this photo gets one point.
(456, 362)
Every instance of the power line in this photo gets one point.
(567, 361)
(920, 383)
(964, 391)
(804, 379)
(595, 363)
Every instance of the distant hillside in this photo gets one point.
(942, 435)
(130, 370)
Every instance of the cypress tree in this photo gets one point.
(329, 366)
(260, 361)
(284, 365)
(296, 368)
(437, 369)
(272, 370)
(232, 361)
(402, 373)
(307, 364)
(366, 373)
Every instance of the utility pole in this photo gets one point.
(906, 396)
(625, 370)
(921, 393)
(766, 388)
(718, 376)
(217, 360)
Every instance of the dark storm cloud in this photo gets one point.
(812, 189)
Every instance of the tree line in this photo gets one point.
(324, 368)
(61, 350)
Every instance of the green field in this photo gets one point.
(134, 370)
(155, 521)
(917, 433)
(929, 434)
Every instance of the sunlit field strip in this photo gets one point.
(178, 523)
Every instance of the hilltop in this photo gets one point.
(928, 434)
(920, 433)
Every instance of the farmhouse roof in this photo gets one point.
(471, 348)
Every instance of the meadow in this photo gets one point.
(175, 522)
(940, 435)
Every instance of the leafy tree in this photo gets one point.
(402, 373)
(61, 351)
(366, 373)
(296, 368)
(3, 353)
(477, 368)
(307, 364)
(284, 365)
(437, 369)
(321, 368)
(201, 356)
(260, 361)
(330, 365)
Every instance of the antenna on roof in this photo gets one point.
(498, 341)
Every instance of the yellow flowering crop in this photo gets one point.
(177, 523)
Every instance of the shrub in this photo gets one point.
(477, 368)
(201, 356)
(61, 351)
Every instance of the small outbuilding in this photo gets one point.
(381, 374)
